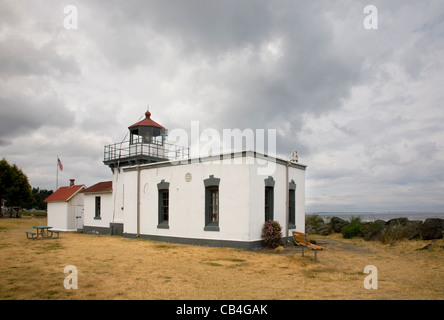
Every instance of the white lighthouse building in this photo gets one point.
(215, 200)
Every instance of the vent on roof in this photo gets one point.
(71, 182)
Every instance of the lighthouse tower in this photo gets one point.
(147, 144)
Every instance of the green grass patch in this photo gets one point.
(50, 246)
(165, 246)
(214, 264)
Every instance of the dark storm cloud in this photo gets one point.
(21, 116)
(212, 30)
(195, 26)
(309, 73)
(22, 58)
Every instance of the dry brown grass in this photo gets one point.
(112, 267)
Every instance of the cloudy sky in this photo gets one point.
(364, 108)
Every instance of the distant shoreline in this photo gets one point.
(372, 216)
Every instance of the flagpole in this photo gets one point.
(57, 181)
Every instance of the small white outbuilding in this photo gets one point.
(65, 208)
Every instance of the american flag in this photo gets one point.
(60, 164)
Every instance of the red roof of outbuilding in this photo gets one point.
(147, 122)
(64, 193)
(105, 186)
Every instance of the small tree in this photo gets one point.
(272, 234)
(5, 182)
(14, 185)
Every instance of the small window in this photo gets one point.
(211, 204)
(163, 204)
(292, 205)
(163, 207)
(269, 198)
(291, 209)
(98, 207)
(214, 204)
(269, 195)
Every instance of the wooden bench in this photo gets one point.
(301, 239)
(32, 234)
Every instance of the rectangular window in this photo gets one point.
(97, 211)
(163, 209)
(292, 209)
(211, 203)
(269, 197)
(212, 209)
(214, 205)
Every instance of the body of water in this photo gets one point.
(372, 216)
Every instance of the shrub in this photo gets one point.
(353, 229)
(394, 232)
(314, 220)
(337, 224)
(371, 227)
(272, 234)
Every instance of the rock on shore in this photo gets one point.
(431, 228)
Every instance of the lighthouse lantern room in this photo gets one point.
(147, 131)
(147, 144)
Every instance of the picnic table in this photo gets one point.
(42, 231)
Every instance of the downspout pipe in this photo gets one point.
(287, 209)
(138, 202)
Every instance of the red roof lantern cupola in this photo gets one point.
(147, 144)
(147, 131)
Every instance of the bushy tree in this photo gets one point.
(39, 195)
(14, 185)
(5, 182)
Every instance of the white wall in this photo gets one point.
(299, 178)
(187, 201)
(257, 198)
(106, 210)
(58, 215)
(118, 197)
(62, 214)
(127, 182)
(241, 199)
